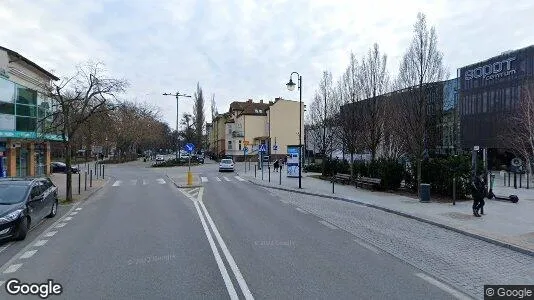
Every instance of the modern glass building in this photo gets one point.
(24, 112)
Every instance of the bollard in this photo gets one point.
(254, 171)
(454, 191)
(520, 180)
(91, 179)
(269, 173)
(508, 178)
(79, 183)
(332, 184)
(528, 178)
(95, 171)
(103, 170)
(85, 179)
(515, 180)
(504, 183)
(262, 167)
(280, 180)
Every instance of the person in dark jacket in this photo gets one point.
(478, 190)
(276, 165)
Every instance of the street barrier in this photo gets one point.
(79, 183)
(85, 179)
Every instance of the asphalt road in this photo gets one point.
(142, 238)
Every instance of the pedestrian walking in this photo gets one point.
(478, 191)
(276, 165)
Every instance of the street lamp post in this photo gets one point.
(291, 86)
(177, 95)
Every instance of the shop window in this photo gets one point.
(26, 95)
(26, 124)
(26, 110)
(7, 90)
(7, 108)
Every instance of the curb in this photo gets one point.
(470, 234)
(181, 186)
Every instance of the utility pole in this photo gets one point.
(177, 95)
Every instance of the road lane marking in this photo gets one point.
(74, 213)
(40, 243)
(12, 268)
(193, 191)
(3, 248)
(204, 179)
(160, 181)
(239, 178)
(442, 286)
(50, 234)
(229, 258)
(227, 281)
(144, 182)
(327, 224)
(28, 254)
(226, 178)
(79, 208)
(217, 178)
(133, 181)
(61, 225)
(368, 247)
(301, 210)
(117, 183)
(67, 218)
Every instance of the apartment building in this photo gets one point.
(250, 124)
(24, 148)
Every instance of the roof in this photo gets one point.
(29, 62)
(249, 108)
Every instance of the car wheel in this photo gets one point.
(53, 211)
(22, 229)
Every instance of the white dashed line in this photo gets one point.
(79, 208)
(160, 181)
(133, 182)
(442, 286)
(217, 178)
(239, 178)
(67, 218)
(226, 178)
(328, 224)
(74, 213)
(28, 254)
(368, 247)
(117, 183)
(61, 225)
(204, 179)
(301, 210)
(144, 182)
(40, 243)
(50, 234)
(12, 268)
(3, 248)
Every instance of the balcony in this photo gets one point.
(238, 133)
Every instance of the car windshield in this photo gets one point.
(226, 161)
(12, 193)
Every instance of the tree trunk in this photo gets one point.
(351, 164)
(69, 173)
(419, 163)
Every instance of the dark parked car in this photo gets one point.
(59, 167)
(24, 203)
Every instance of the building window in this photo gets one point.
(7, 90)
(229, 145)
(7, 108)
(239, 145)
(484, 102)
(26, 124)
(26, 95)
(491, 98)
(26, 110)
(7, 122)
(508, 98)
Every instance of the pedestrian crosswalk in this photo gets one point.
(132, 182)
(158, 181)
(205, 179)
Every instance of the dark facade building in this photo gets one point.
(490, 90)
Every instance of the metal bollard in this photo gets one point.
(254, 171)
(95, 171)
(85, 179)
(280, 180)
(508, 178)
(528, 178)
(103, 170)
(520, 180)
(79, 183)
(515, 180)
(504, 181)
(332, 184)
(91, 179)
(269, 173)
(454, 191)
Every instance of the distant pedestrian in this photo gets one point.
(478, 191)
(281, 163)
(276, 165)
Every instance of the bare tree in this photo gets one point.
(421, 64)
(374, 81)
(198, 116)
(189, 131)
(75, 100)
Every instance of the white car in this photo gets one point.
(226, 165)
(160, 158)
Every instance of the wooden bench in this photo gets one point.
(368, 182)
(343, 178)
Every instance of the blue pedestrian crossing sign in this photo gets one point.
(262, 148)
(245, 150)
(275, 147)
(189, 147)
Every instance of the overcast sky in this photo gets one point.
(242, 50)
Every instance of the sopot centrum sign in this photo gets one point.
(492, 71)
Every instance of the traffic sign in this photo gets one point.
(275, 147)
(262, 148)
(246, 143)
(189, 147)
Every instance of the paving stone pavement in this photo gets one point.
(462, 261)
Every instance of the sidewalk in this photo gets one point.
(504, 223)
(60, 180)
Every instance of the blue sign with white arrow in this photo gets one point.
(189, 147)
(262, 148)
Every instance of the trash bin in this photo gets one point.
(424, 192)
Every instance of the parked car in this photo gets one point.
(160, 158)
(24, 203)
(226, 165)
(200, 159)
(60, 167)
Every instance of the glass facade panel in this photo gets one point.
(7, 122)
(7, 108)
(7, 90)
(26, 124)
(26, 110)
(485, 102)
(26, 95)
(508, 98)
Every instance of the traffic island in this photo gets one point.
(182, 180)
